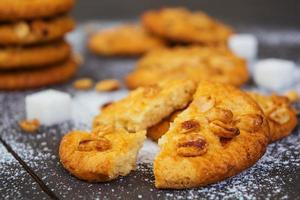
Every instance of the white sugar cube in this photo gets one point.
(274, 74)
(244, 45)
(49, 107)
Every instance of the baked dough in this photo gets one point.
(125, 40)
(35, 31)
(182, 25)
(119, 131)
(35, 78)
(282, 117)
(194, 63)
(146, 106)
(222, 132)
(35, 56)
(12, 10)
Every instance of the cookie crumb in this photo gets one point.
(30, 126)
(107, 85)
(83, 84)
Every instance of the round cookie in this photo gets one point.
(12, 10)
(194, 62)
(181, 25)
(221, 133)
(35, 31)
(35, 56)
(281, 116)
(27, 79)
(126, 40)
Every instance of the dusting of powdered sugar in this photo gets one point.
(86, 105)
(14, 180)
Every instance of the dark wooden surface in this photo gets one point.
(275, 176)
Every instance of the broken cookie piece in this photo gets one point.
(221, 145)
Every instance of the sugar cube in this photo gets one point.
(274, 74)
(244, 45)
(49, 107)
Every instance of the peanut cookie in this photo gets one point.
(34, 56)
(182, 25)
(221, 133)
(147, 106)
(194, 63)
(35, 31)
(27, 79)
(119, 131)
(126, 40)
(281, 116)
(100, 158)
(12, 10)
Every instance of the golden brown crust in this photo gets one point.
(27, 79)
(281, 116)
(125, 40)
(12, 10)
(119, 131)
(35, 31)
(98, 159)
(155, 132)
(181, 25)
(194, 63)
(201, 156)
(145, 107)
(35, 56)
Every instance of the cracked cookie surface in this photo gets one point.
(119, 131)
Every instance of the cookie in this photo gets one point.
(27, 79)
(35, 31)
(281, 116)
(99, 159)
(155, 132)
(126, 40)
(119, 131)
(34, 56)
(182, 25)
(12, 10)
(147, 106)
(221, 133)
(194, 63)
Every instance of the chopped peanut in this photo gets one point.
(107, 85)
(29, 126)
(83, 84)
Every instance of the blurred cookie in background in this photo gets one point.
(124, 40)
(182, 25)
(193, 62)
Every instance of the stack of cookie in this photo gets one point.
(33, 52)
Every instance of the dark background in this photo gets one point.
(245, 12)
